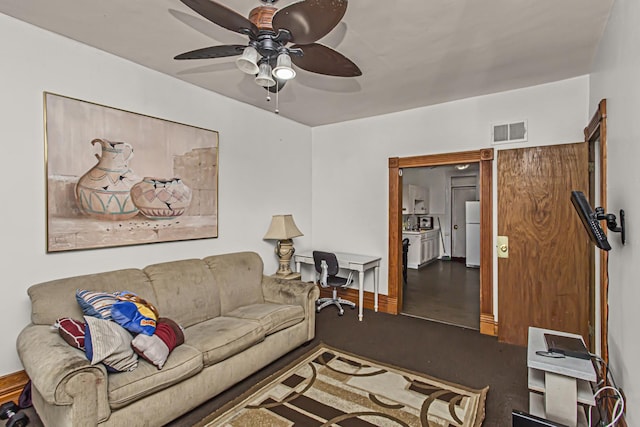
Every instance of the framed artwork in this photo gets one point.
(117, 178)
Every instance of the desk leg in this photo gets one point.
(360, 294)
(560, 397)
(376, 280)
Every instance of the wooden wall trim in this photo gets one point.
(11, 386)
(385, 303)
(486, 236)
(395, 233)
(597, 129)
(443, 158)
(488, 325)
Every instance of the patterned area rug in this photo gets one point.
(328, 387)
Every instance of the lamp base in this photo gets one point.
(285, 250)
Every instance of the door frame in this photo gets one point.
(594, 131)
(488, 323)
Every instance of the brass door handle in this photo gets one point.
(503, 247)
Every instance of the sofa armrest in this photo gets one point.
(62, 374)
(294, 292)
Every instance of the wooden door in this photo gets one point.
(545, 280)
(459, 196)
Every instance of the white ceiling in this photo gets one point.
(412, 53)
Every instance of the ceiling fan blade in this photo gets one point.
(223, 16)
(309, 20)
(324, 60)
(213, 52)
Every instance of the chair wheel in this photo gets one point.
(340, 313)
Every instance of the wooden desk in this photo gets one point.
(563, 382)
(355, 262)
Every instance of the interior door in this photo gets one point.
(459, 195)
(544, 282)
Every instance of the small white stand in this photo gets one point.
(558, 385)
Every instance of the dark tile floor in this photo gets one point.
(444, 291)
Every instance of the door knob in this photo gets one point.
(455, 227)
(503, 247)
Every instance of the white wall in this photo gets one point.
(256, 152)
(616, 77)
(350, 159)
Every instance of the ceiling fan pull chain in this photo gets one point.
(277, 100)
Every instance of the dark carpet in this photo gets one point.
(447, 352)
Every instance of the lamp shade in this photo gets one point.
(248, 62)
(283, 70)
(264, 78)
(282, 228)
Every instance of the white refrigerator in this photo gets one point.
(472, 222)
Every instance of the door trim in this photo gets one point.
(597, 129)
(488, 323)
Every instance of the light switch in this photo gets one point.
(503, 247)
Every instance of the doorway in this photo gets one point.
(437, 287)
(484, 159)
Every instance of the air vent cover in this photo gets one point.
(509, 132)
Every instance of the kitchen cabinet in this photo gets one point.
(423, 247)
(415, 199)
(414, 255)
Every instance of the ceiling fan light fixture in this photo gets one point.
(264, 78)
(248, 62)
(283, 70)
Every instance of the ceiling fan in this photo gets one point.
(278, 37)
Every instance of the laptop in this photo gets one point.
(569, 346)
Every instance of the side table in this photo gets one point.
(558, 385)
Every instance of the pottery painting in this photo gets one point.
(105, 190)
(99, 194)
(158, 198)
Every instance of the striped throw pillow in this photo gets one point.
(96, 304)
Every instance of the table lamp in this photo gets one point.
(283, 229)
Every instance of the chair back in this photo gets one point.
(328, 257)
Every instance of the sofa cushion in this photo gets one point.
(272, 317)
(223, 337)
(127, 387)
(55, 299)
(185, 290)
(239, 277)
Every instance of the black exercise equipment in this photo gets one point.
(10, 411)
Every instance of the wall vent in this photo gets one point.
(509, 132)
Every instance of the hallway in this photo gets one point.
(444, 291)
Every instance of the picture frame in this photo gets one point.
(117, 178)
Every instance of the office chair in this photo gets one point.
(327, 268)
(405, 251)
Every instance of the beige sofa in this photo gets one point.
(236, 321)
